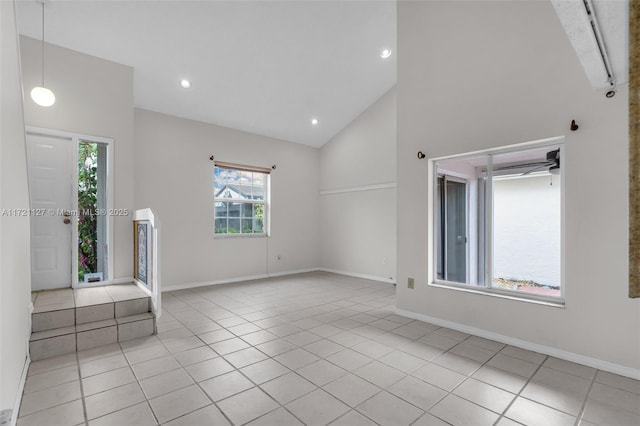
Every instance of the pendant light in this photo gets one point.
(40, 94)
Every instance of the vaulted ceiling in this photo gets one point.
(271, 67)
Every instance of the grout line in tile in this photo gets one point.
(150, 409)
(522, 389)
(586, 398)
(264, 414)
(84, 405)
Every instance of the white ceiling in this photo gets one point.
(266, 67)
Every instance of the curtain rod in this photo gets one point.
(242, 167)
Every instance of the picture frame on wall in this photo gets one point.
(143, 262)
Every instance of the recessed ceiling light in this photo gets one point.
(314, 121)
(185, 84)
(386, 53)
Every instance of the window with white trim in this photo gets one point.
(241, 195)
(497, 219)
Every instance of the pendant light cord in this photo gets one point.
(43, 43)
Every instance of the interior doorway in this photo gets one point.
(70, 183)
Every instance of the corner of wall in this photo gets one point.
(15, 261)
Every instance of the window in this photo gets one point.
(497, 221)
(92, 205)
(241, 195)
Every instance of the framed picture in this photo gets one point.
(142, 266)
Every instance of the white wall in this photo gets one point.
(359, 227)
(526, 229)
(479, 74)
(15, 275)
(174, 177)
(93, 97)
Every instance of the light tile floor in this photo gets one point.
(315, 349)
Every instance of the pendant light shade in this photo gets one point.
(40, 94)
(43, 96)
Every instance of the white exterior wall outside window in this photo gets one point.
(526, 229)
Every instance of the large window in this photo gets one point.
(497, 221)
(240, 199)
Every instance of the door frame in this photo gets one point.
(75, 139)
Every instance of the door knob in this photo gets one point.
(67, 220)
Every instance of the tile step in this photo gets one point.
(64, 340)
(44, 320)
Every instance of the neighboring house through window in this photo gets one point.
(497, 221)
(240, 199)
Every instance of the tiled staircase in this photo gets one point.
(69, 320)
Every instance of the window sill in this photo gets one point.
(240, 236)
(554, 302)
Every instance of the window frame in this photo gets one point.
(487, 264)
(266, 201)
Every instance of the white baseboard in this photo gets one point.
(293, 272)
(184, 286)
(23, 380)
(124, 280)
(543, 349)
(357, 275)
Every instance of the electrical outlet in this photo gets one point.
(410, 282)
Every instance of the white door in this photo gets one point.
(50, 161)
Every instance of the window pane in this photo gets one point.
(246, 178)
(221, 226)
(92, 236)
(220, 209)
(227, 175)
(258, 186)
(234, 209)
(258, 193)
(526, 222)
(234, 226)
(247, 210)
(258, 227)
(247, 226)
(258, 220)
(456, 230)
(258, 179)
(218, 185)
